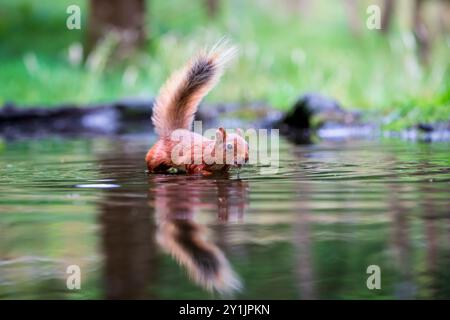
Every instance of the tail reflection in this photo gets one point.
(176, 199)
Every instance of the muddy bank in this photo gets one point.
(311, 116)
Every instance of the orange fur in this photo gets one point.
(188, 241)
(174, 110)
(179, 97)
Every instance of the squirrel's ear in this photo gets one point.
(240, 132)
(221, 135)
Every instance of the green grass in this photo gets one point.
(282, 55)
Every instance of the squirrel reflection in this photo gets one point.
(176, 199)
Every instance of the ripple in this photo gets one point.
(98, 186)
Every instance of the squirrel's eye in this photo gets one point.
(229, 146)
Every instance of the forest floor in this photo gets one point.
(282, 55)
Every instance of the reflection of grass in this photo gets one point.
(282, 55)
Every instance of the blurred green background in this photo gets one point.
(286, 48)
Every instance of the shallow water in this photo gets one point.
(309, 231)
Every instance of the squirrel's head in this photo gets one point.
(234, 146)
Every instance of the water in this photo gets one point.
(309, 231)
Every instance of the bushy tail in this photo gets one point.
(179, 97)
(204, 261)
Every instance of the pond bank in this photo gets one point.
(312, 116)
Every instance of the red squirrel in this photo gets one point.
(173, 115)
(189, 242)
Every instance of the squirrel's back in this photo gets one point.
(179, 97)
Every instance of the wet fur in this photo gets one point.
(175, 108)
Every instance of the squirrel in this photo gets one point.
(188, 241)
(173, 115)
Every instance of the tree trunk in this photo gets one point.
(351, 9)
(421, 32)
(212, 7)
(386, 18)
(444, 16)
(124, 17)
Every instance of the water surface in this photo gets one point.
(309, 231)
